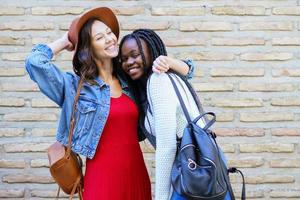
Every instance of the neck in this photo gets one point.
(105, 68)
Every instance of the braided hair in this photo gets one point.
(154, 43)
(156, 48)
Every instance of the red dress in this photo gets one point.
(118, 171)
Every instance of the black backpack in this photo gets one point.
(198, 172)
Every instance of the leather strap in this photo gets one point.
(185, 110)
(80, 192)
(76, 186)
(187, 116)
(192, 91)
(72, 122)
(235, 170)
(57, 194)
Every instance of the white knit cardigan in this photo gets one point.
(167, 120)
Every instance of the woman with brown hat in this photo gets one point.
(115, 169)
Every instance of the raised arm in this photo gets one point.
(183, 67)
(61, 44)
(50, 79)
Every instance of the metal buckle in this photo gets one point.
(192, 165)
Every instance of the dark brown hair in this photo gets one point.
(84, 59)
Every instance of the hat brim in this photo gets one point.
(104, 14)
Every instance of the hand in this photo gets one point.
(67, 43)
(161, 64)
(61, 44)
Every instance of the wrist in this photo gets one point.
(62, 43)
(171, 62)
(169, 59)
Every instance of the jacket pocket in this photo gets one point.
(84, 116)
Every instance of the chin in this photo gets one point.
(115, 54)
(112, 55)
(136, 77)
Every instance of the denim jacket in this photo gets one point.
(93, 105)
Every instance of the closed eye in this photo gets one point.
(136, 55)
(108, 31)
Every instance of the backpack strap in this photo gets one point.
(235, 170)
(186, 113)
(187, 116)
(192, 91)
(209, 123)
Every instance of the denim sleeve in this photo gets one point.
(49, 78)
(191, 65)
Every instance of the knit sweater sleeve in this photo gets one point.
(163, 102)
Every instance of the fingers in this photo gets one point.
(156, 70)
(69, 45)
(160, 65)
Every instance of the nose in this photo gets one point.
(129, 61)
(108, 38)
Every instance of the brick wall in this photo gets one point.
(247, 57)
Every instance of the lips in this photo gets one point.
(133, 70)
(111, 47)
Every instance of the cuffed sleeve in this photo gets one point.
(191, 65)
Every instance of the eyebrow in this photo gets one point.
(130, 52)
(107, 29)
(98, 34)
(134, 50)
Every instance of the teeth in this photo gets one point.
(132, 70)
(110, 47)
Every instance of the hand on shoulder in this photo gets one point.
(161, 64)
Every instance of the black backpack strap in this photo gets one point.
(186, 113)
(226, 176)
(192, 91)
(209, 123)
(235, 170)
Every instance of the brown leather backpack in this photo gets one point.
(65, 165)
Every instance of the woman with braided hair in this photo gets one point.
(141, 53)
(162, 118)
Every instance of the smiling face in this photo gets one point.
(103, 41)
(131, 58)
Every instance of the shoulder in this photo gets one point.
(160, 87)
(160, 84)
(158, 80)
(163, 80)
(71, 80)
(72, 76)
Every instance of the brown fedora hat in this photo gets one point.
(104, 14)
